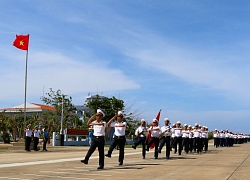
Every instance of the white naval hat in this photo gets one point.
(155, 120)
(120, 113)
(166, 119)
(178, 122)
(185, 125)
(143, 120)
(189, 126)
(196, 124)
(99, 111)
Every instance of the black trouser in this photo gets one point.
(201, 144)
(172, 142)
(118, 140)
(141, 140)
(97, 142)
(205, 144)
(27, 143)
(156, 141)
(35, 143)
(178, 140)
(191, 143)
(45, 140)
(165, 140)
(197, 144)
(185, 144)
(216, 142)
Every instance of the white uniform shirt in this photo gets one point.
(119, 131)
(190, 135)
(141, 131)
(222, 135)
(155, 131)
(185, 133)
(178, 132)
(37, 133)
(204, 134)
(226, 135)
(196, 133)
(98, 129)
(164, 130)
(215, 134)
(173, 134)
(28, 132)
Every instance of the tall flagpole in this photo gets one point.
(25, 87)
(22, 42)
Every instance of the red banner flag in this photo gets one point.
(149, 134)
(21, 42)
(158, 115)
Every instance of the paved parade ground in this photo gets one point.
(64, 163)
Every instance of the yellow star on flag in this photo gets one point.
(21, 43)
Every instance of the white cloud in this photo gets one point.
(54, 70)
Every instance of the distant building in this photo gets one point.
(82, 109)
(31, 109)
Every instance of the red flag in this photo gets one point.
(149, 134)
(158, 115)
(21, 42)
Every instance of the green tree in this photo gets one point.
(56, 99)
(111, 106)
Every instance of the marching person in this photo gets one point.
(36, 137)
(28, 134)
(216, 138)
(191, 138)
(178, 137)
(166, 134)
(185, 138)
(141, 134)
(172, 138)
(197, 143)
(98, 138)
(119, 138)
(206, 140)
(45, 139)
(154, 131)
(222, 138)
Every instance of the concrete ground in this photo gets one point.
(64, 163)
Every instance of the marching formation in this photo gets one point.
(227, 138)
(176, 138)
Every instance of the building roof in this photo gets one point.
(30, 107)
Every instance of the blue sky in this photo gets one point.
(188, 58)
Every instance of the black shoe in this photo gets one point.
(84, 161)
(120, 163)
(159, 151)
(156, 157)
(143, 157)
(147, 149)
(108, 155)
(134, 147)
(100, 167)
(167, 157)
